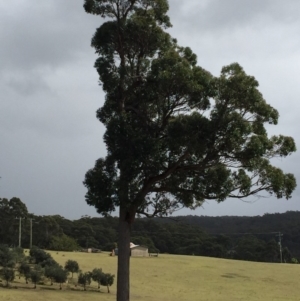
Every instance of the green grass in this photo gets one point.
(172, 278)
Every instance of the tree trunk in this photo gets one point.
(123, 256)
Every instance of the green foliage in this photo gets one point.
(9, 211)
(107, 280)
(250, 248)
(175, 134)
(85, 279)
(193, 137)
(41, 257)
(36, 274)
(59, 275)
(97, 276)
(24, 269)
(8, 274)
(7, 259)
(50, 272)
(294, 260)
(63, 243)
(18, 254)
(286, 255)
(72, 266)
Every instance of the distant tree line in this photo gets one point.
(244, 238)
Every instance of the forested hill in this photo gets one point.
(248, 238)
(266, 227)
(288, 222)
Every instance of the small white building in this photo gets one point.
(138, 251)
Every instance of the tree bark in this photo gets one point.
(123, 289)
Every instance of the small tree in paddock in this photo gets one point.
(107, 280)
(49, 272)
(97, 276)
(36, 275)
(85, 279)
(59, 275)
(8, 274)
(24, 269)
(72, 266)
(49, 262)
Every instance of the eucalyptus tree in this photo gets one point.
(176, 136)
(7, 259)
(10, 211)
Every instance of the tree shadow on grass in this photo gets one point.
(234, 275)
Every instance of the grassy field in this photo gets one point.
(175, 278)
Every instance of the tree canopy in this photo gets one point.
(175, 134)
(72, 266)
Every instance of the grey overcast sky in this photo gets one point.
(49, 92)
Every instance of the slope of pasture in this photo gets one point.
(179, 278)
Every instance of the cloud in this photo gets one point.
(48, 34)
(221, 16)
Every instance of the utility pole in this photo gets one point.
(20, 231)
(280, 246)
(30, 244)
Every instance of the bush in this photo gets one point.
(59, 275)
(6, 257)
(8, 275)
(18, 254)
(107, 280)
(63, 243)
(97, 276)
(36, 274)
(294, 260)
(41, 257)
(24, 269)
(72, 266)
(85, 279)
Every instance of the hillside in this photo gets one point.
(245, 238)
(174, 278)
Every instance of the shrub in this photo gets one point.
(8, 274)
(97, 276)
(85, 279)
(36, 274)
(72, 266)
(24, 269)
(107, 280)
